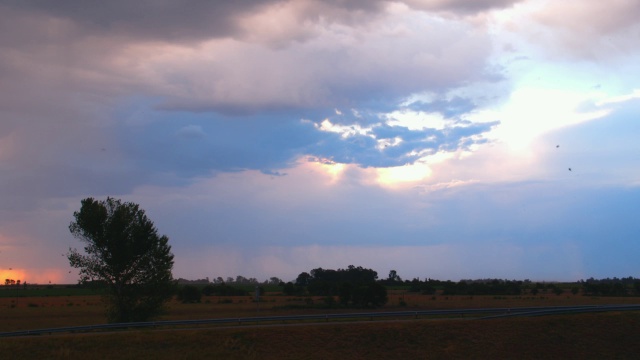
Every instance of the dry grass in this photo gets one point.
(48, 312)
(587, 336)
(593, 336)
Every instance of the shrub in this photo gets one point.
(189, 294)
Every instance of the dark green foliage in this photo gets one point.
(370, 295)
(483, 287)
(354, 286)
(575, 290)
(427, 287)
(329, 301)
(393, 278)
(557, 290)
(189, 294)
(290, 289)
(611, 287)
(223, 290)
(345, 292)
(303, 279)
(124, 251)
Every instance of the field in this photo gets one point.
(609, 335)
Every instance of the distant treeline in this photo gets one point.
(603, 287)
(611, 287)
(238, 280)
(358, 286)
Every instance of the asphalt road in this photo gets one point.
(475, 314)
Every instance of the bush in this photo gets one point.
(329, 301)
(189, 294)
(223, 290)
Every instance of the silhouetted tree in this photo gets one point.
(303, 279)
(123, 250)
(355, 286)
(393, 277)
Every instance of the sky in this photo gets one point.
(443, 139)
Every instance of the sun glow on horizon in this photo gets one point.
(13, 274)
(34, 276)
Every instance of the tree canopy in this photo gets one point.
(123, 251)
(355, 286)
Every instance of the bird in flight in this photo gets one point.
(569, 169)
(557, 146)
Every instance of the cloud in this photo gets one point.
(344, 67)
(394, 123)
(461, 6)
(333, 220)
(146, 20)
(75, 71)
(589, 30)
(385, 145)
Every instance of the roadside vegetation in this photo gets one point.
(584, 336)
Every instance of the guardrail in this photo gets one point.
(499, 312)
(567, 310)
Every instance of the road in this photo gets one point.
(472, 314)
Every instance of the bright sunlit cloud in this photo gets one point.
(398, 175)
(344, 130)
(416, 120)
(531, 112)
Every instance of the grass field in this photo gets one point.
(595, 336)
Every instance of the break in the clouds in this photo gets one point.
(430, 136)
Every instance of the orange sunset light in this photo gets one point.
(13, 274)
(38, 276)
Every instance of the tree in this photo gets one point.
(303, 279)
(123, 251)
(393, 277)
(371, 295)
(288, 288)
(190, 294)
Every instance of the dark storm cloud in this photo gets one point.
(72, 70)
(179, 20)
(147, 19)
